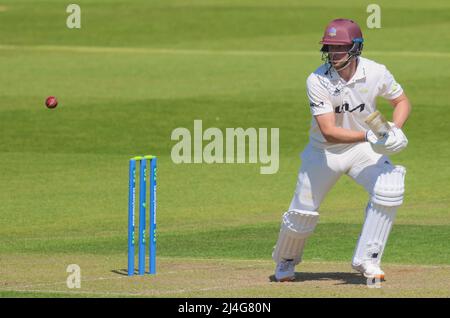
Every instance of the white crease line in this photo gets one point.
(149, 293)
(12, 288)
(64, 282)
(99, 49)
(172, 272)
(69, 292)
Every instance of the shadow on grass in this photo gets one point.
(123, 271)
(341, 278)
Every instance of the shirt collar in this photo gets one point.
(359, 74)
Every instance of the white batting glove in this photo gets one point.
(398, 140)
(378, 145)
(371, 137)
(394, 142)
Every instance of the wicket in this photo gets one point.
(142, 214)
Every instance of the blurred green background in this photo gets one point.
(136, 70)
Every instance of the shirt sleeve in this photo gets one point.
(319, 101)
(388, 87)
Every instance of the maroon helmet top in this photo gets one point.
(342, 32)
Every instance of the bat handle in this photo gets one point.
(378, 124)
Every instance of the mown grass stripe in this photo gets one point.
(412, 244)
(169, 51)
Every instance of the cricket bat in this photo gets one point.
(378, 124)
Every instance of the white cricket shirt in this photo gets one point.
(351, 101)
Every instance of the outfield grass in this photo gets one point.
(137, 70)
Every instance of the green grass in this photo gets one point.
(408, 244)
(137, 70)
(24, 294)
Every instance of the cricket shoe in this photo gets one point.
(284, 271)
(369, 270)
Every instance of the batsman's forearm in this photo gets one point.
(401, 113)
(344, 136)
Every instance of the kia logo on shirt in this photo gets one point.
(311, 104)
(346, 108)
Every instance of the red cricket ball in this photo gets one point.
(51, 102)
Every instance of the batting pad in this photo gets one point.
(390, 186)
(374, 235)
(296, 226)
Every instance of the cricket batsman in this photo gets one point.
(342, 95)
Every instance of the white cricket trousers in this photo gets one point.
(321, 169)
